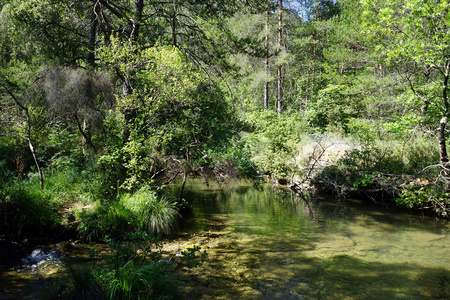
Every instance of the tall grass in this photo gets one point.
(80, 283)
(150, 281)
(153, 214)
(27, 210)
(142, 210)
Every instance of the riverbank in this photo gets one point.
(346, 170)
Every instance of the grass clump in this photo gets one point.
(153, 214)
(132, 281)
(26, 210)
(142, 210)
(132, 269)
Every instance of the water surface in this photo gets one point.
(265, 243)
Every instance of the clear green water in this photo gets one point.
(267, 244)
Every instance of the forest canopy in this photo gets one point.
(104, 101)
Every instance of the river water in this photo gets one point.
(265, 243)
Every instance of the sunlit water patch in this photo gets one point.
(266, 244)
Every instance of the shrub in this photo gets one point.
(111, 219)
(272, 143)
(25, 209)
(80, 284)
(425, 197)
(153, 214)
(133, 271)
(149, 281)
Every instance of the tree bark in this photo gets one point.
(28, 133)
(279, 73)
(135, 25)
(442, 142)
(93, 34)
(36, 162)
(174, 23)
(266, 64)
(442, 124)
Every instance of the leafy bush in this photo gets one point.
(132, 281)
(111, 219)
(133, 269)
(383, 163)
(273, 141)
(25, 209)
(425, 197)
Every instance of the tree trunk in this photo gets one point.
(266, 64)
(279, 74)
(136, 23)
(85, 133)
(183, 184)
(128, 113)
(127, 90)
(442, 124)
(28, 133)
(93, 34)
(442, 142)
(33, 153)
(174, 23)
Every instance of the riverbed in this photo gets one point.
(263, 242)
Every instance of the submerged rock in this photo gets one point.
(39, 258)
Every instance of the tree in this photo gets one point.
(180, 116)
(18, 112)
(414, 36)
(81, 96)
(279, 74)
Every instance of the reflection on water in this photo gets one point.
(265, 244)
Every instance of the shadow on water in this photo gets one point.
(268, 248)
(341, 277)
(264, 244)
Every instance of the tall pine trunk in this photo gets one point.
(266, 64)
(441, 133)
(279, 73)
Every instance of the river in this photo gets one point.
(265, 243)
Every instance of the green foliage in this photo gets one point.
(366, 131)
(423, 196)
(102, 220)
(173, 111)
(138, 246)
(133, 269)
(140, 282)
(190, 256)
(153, 214)
(273, 141)
(80, 284)
(25, 210)
(364, 181)
(139, 211)
(132, 165)
(384, 159)
(333, 108)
